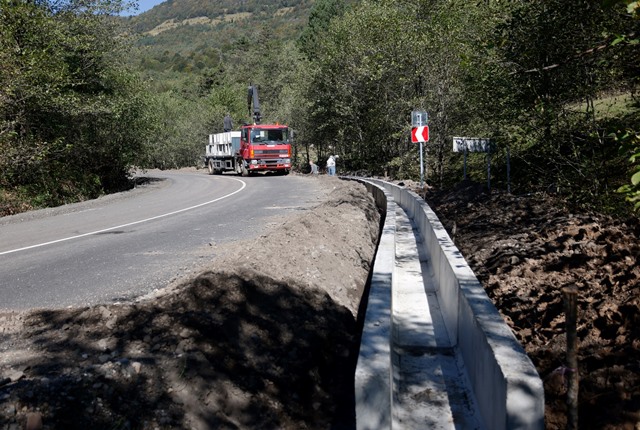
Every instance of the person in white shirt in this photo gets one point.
(331, 166)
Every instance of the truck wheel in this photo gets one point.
(211, 169)
(245, 172)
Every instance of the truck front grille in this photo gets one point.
(271, 153)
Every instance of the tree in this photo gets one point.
(69, 110)
(374, 65)
(540, 74)
(319, 19)
(631, 138)
(179, 127)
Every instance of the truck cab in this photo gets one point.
(265, 147)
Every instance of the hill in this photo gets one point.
(184, 11)
(193, 35)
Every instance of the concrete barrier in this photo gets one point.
(373, 372)
(507, 387)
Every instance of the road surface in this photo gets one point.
(129, 244)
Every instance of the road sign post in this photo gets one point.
(420, 134)
(474, 144)
(508, 170)
(421, 167)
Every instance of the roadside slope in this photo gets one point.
(524, 250)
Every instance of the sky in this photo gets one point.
(143, 6)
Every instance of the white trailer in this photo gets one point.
(222, 152)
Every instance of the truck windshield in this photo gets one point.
(261, 135)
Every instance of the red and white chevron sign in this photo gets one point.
(420, 134)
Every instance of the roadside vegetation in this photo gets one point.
(86, 94)
(72, 118)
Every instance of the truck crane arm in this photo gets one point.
(252, 97)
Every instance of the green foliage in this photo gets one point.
(69, 113)
(350, 77)
(375, 64)
(527, 74)
(319, 19)
(227, 97)
(548, 67)
(630, 140)
(630, 145)
(178, 130)
(345, 75)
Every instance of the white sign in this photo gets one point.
(471, 144)
(419, 118)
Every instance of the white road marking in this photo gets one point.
(11, 251)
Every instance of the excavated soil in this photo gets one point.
(267, 335)
(525, 250)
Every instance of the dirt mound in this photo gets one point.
(525, 249)
(266, 338)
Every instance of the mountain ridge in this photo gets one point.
(172, 23)
(197, 35)
(181, 11)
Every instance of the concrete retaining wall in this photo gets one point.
(373, 372)
(507, 386)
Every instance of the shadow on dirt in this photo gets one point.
(227, 350)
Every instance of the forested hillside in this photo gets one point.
(192, 35)
(554, 88)
(182, 10)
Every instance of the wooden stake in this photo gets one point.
(571, 315)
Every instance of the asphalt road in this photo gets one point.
(128, 244)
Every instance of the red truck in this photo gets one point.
(255, 148)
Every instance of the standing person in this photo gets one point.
(331, 165)
(314, 168)
(227, 123)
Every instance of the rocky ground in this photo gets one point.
(260, 345)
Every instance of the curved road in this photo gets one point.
(129, 244)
